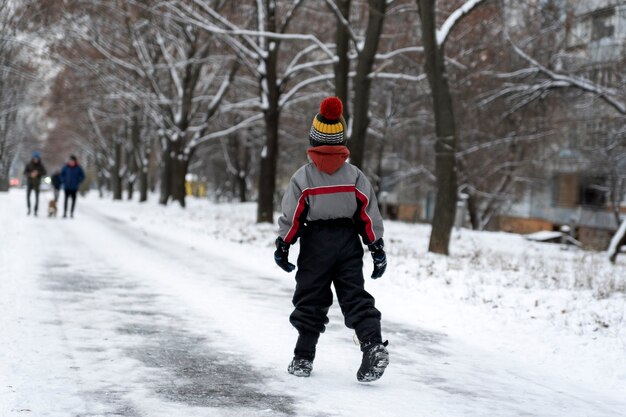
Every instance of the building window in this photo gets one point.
(572, 190)
(565, 190)
(602, 24)
(593, 192)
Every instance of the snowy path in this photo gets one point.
(102, 317)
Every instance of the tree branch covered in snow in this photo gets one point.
(558, 80)
(455, 17)
(230, 29)
(225, 132)
(617, 241)
(345, 24)
(514, 137)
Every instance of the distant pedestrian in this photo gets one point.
(56, 184)
(328, 203)
(34, 171)
(71, 176)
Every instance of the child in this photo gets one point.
(327, 205)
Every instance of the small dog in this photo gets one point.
(52, 208)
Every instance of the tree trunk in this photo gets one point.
(445, 145)
(243, 188)
(267, 174)
(617, 242)
(362, 81)
(342, 66)
(175, 164)
(154, 169)
(134, 153)
(473, 212)
(143, 185)
(100, 175)
(116, 177)
(130, 188)
(242, 161)
(179, 172)
(131, 175)
(4, 179)
(269, 156)
(378, 183)
(166, 173)
(615, 195)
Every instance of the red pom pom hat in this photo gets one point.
(328, 125)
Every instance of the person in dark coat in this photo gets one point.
(56, 184)
(72, 175)
(34, 171)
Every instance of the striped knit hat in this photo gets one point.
(328, 125)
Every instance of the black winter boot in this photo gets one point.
(300, 367)
(375, 360)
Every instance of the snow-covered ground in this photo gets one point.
(142, 310)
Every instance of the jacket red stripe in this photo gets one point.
(369, 227)
(332, 189)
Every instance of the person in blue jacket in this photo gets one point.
(71, 176)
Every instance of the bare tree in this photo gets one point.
(365, 56)
(434, 40)
(362, 49)
(260, 50)
(619, 239)
(15, 77)
(159, 67)
(537, 80)
(548, 67)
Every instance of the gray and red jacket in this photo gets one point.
(329, 188)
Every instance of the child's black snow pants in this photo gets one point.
(331, 253)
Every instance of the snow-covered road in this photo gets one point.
(100, 316)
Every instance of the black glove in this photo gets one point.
(379, 257)
(281, 255)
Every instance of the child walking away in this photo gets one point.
(327, 205)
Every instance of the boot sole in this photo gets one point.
(302, 374)
(382, 361)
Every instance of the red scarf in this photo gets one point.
(328, 158)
